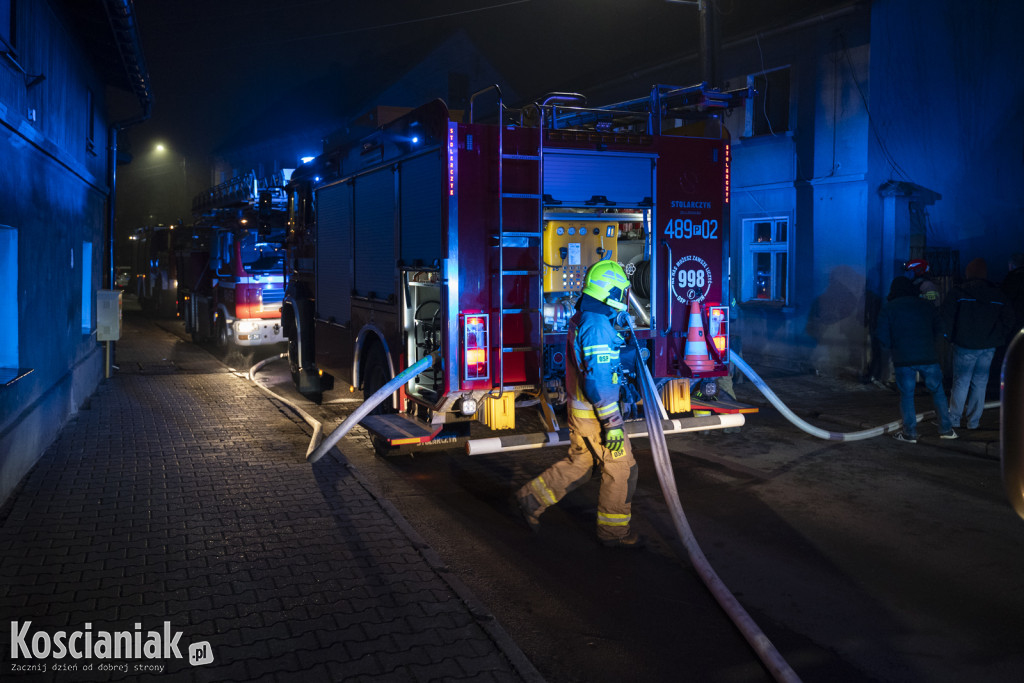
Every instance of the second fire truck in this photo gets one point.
(231, 274)
(471, 240)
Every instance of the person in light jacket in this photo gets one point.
(976, 318)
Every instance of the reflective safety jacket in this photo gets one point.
(592, 372)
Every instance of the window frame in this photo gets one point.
(90, 121)
(9, 33)
(10, 349)
(764, 102)
(777, 250)
(88, 320)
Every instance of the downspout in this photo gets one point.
(121, 15)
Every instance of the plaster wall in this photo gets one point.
(947, 99)
(53, 194)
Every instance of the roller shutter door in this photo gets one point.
(575, 178)
(422, 189)
(375, 234)
(334, 253)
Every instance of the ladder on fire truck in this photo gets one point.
(530, 239)
(243, 190)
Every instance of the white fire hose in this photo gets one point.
(310, 420)
(369, 404)
(764, 648)
(817, 431)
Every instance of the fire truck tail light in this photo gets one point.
(475, 347)
(718, 326)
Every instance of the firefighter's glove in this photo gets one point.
(613, 439)
(621, 319)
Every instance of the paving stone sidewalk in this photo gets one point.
(180, 494)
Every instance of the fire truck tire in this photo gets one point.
(293, 359)
(375, 375)
(223, 340)
(382, 448)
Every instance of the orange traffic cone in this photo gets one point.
(696, 354)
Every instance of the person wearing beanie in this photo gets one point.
(909, 325)
(976, 317)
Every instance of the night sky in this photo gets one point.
(224, 71)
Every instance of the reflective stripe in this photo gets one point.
(612, 519)
(543, 493)
(584, 413)
(605, 411)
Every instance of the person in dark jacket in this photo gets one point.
(977, 318)
(908, 326)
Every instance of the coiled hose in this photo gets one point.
(817, 431)
(762, 646)
(369, 404)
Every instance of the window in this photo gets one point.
(8, 24)
(767, 261)
(90, 122)
(8, 303)
(769, 112)
(86, 287)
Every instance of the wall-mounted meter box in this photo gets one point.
(108, 314)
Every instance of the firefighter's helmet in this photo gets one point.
(918, 267)
(607, 282)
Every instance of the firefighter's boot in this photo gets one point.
(529, 508)
(630, 540)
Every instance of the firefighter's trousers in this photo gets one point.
(618, 474)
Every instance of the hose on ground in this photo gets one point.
(369, 404)
(817, 431)
(314, 441)
(762, 646)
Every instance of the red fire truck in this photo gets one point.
(231, 273)
(155, 267)
(472, 240)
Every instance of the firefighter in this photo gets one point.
(596, 436)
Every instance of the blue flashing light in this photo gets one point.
(415, 140)
(306, 160)
(316, 179)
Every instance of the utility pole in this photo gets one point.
(709, 43)
(709, 39)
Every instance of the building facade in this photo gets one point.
(55, 176)
(881, 132)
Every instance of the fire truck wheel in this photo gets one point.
(382, 448)
(293, 359)
(223, 341)
(376, 375)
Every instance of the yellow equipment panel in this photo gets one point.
(570, 247)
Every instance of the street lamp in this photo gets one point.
(161, 150)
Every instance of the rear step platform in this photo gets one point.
(399, 429)
(723, 406)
